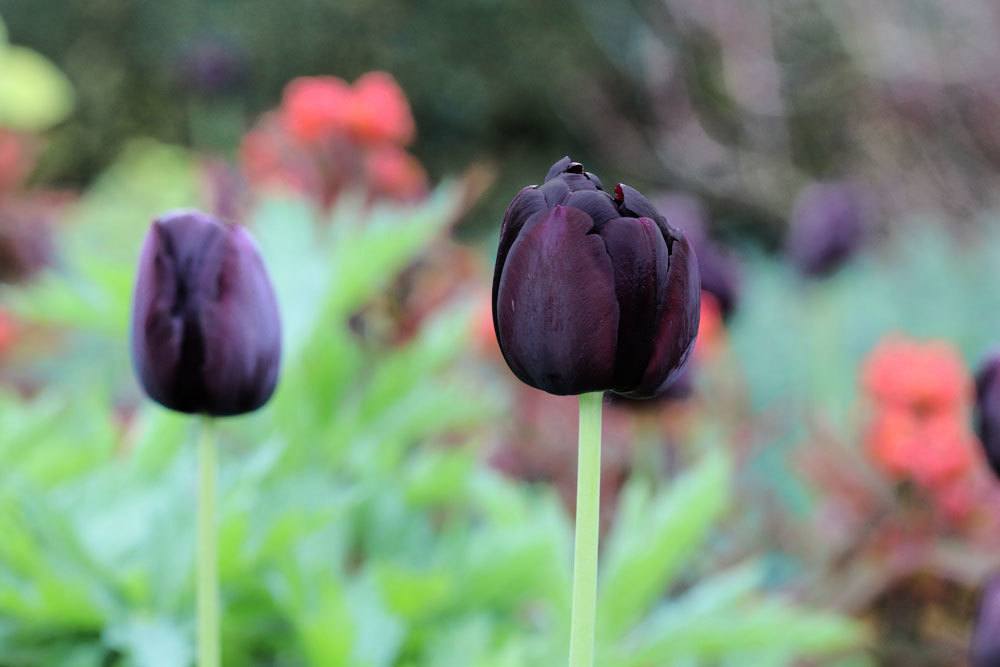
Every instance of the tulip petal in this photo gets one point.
(555, 192)
(154, 326)
(633, 203)
(598, 205)
(529, 200)
(557, 313)
(241, 330)
(179, 257)
(678, 310)
(558, 168)
(640, 260)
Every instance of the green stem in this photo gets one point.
(208, 574)
(588, 509)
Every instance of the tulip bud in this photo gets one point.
(985, 648)
(206, 336)
(827, 227)
(212, 66)
(25, 240)
(988, 409)
(593, 291)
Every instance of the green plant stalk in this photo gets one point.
(207, 561)
(583, 617)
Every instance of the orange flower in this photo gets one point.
(373, 111)
(6, 331)
(957, 500)
(932, 451)
(711, 329)
(921, 393)
(379, 111)
(270, 157)
(17, 159)
(919, 376)
(329, 137)
(394, 173)
(316, 107)
(891, 437)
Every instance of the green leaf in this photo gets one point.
(414, 595)
(327, 627)
(759, 628)
(379, 633)
(370, 249)
(34, 94)
(438, 477)
(655, 536)
(151, 642)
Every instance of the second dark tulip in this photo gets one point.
(593, 291)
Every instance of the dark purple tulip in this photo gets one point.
(988, 409)
(719, 268)
(206, 337)
(827, 227)
(985, 648)
(593, 291)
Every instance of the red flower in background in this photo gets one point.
(919, 376)
(374, 111)
(379, 112)
(711, 330)
(6, 332)
(17, 159)
(395, 174)
(932, 450)
(921, 394)
(316, 108)
(329, 136)
(271, 156)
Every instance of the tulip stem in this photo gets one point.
(583, 617)
(208, 574)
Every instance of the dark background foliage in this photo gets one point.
(493, 81)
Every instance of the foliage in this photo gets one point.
(34, 94)
(841, 526)
(357, 525)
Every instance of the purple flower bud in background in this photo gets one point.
(593, 291)
(26, 244)
(827, 227)
(212, 66)
(206, 336)
(719, 267)
(985, 647)
(987, 415)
